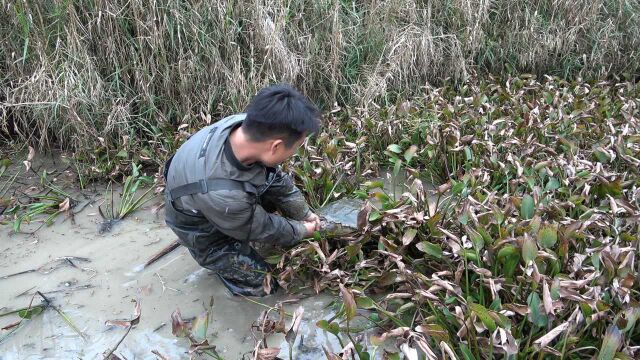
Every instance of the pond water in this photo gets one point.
(106, 278)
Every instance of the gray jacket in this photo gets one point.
(207, 154)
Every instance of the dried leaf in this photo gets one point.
(408, 236)
(349, 303)
(400, 332)
(292, 333)
(546, 298)
(178, 327)
(64, 206)
(548, 337)
(446, 349)
(128, 323)
(363, 216)
(409, 352)
(628, 318)
(266, 283)
(318, 250)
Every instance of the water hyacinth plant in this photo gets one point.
(527, 246)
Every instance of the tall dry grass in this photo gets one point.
(92, 74)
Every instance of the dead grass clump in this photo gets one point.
(124, 74)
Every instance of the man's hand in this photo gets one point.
(311, 227)
(311, 224)
(312, 217)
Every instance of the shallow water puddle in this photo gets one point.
(103, 288)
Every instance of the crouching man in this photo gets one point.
(224, 184)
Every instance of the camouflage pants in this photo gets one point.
(239, 266)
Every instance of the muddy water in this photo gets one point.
(104, 287)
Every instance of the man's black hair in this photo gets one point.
(279, 111)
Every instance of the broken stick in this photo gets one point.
(174, 245)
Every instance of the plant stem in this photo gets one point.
(352, 341)
(107, 356)
(264, 305)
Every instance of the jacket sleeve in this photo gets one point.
(286, 197)
(231, 212)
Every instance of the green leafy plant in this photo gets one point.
(130, 199)
(48, 203)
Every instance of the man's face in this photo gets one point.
(277, 152)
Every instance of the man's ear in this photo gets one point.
(276, 144)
